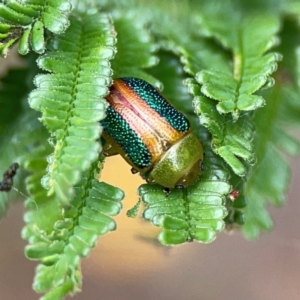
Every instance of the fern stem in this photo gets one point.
(238, 60)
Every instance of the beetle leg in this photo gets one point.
(167, 191)
(134, 171)
(108, 150)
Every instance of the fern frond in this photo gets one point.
(71, 98)
(269, 179)
(229, 140)
(197, 53)
(233, 142)
(75, 235)
(26, 21)
(184, 39)
(60, 237)
(248, 38)
(135, 49)
(43, 211)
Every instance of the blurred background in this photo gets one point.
(129, 264)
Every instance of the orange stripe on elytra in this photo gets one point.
(148, 114)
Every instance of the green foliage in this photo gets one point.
(58, 237)
(9, 113)
(26, 22)
(213, 60)
(232, 137)
(230, 140)
(71, 98)
(248, 39)
(133, 38)
(17, 123)
(269, 178)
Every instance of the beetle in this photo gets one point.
(150, 134)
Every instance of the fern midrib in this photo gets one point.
(239, 63)
(62, 142)
(86, 190)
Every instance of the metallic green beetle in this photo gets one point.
(151, 135)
